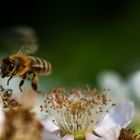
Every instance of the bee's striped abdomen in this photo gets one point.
(40, 65)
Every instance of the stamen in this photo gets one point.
(78, 111)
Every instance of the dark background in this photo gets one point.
(80, 38)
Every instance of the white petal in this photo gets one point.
(133, 83)
(111, 134)
(12, 85)
(90, 136)
(118, 117)
(48, 125)
(68, 137)
(113, 81)
(123, 113)
(50, 136)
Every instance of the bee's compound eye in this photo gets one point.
(11, 66)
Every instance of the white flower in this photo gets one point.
(113, 81)
(76, 115)
(118, 117)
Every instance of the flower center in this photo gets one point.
(79, 136)
(77, 112)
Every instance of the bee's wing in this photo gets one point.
(29, 41)
(27, 49)
(20, 38)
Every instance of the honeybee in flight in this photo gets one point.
(25, 66)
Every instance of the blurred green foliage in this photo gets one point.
(81, 39)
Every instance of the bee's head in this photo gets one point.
(7, 67)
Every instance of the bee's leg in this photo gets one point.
(34, 82)
(24, 77)
(13, 74)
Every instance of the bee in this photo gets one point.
(25, 66)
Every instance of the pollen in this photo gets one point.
(128, 134)
(76, 112)
(7, 100)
